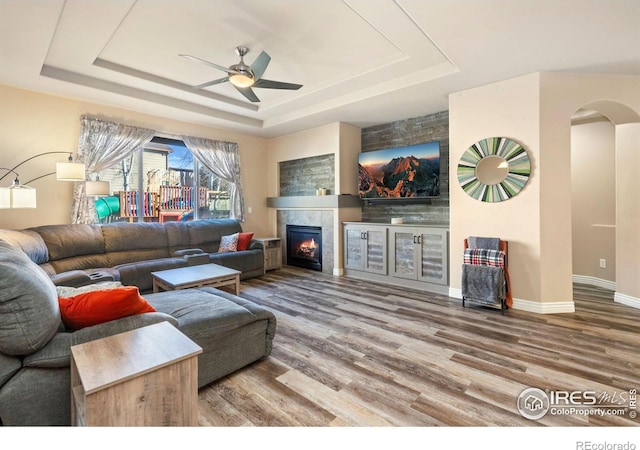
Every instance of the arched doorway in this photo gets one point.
(604, 151)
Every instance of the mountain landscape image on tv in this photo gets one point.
(397, 173)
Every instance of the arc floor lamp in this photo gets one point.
(23, 196)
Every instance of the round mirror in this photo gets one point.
(494, 169)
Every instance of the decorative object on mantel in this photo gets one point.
(494, 169)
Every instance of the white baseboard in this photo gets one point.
(623, 299)
(530, 306)
(544, 308)
(594, 281)
(626, 300)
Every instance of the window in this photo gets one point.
(175, 186)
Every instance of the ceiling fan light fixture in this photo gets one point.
(242, 80)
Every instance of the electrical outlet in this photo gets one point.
(603, 263)
(250, 210)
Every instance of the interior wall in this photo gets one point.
(34, 123)
(509, 109)
(593, 202)
(628, 214)
(304, 144)
(618, 98)
(536, 111)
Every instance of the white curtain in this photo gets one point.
(101, 145)
(222, 159)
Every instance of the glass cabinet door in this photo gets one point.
(353, 245)
(376, 250)
(402, 254)
(433, 257)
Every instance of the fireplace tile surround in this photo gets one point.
(318, 218)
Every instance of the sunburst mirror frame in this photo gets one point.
(514, 180)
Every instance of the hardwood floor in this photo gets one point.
(357, 353)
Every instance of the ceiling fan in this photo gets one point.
(244, 77)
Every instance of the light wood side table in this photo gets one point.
(272, 253)
(143, 377)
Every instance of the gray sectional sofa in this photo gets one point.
(74, 255)
(35, 344)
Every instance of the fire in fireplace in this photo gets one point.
(304, 246)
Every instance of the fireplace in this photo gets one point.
(304, 246)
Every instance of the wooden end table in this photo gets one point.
(212, 275)
(143, 377)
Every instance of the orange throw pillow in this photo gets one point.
(92, 308)
(243, 240)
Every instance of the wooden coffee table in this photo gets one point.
(211, 275)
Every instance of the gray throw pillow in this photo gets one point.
(29, 312)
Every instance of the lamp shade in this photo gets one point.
(70, 171)
(22, 196)
(97, 188)
(5, 198)
(241, 80)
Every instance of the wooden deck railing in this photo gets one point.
(170, 199)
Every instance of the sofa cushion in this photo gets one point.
(70, 291)
(229, 243)
(29, 314)
(29, 242)
(87, 240)
(206, 234)
(124, 236)
(98, 306)
(243, 240)
(8, 366)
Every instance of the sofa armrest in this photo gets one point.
(57, 352)
(72, 278)
(188, 251)
(255, 244)
(196, 260)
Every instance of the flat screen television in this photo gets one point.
(400, 173)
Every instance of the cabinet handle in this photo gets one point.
(416, 239)
(364, 235)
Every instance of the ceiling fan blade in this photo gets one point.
(248, 93)
(260, 65)
(269, 84)
(211, 83)
(217, 66)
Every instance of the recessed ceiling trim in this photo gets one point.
(96, 83)
(172, 84)
(406, 81)
(422, 30)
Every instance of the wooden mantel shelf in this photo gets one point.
(316, 201)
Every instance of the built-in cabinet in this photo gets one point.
(418, 254)
(365, 248)
(408, 255)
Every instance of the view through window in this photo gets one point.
(162, 182)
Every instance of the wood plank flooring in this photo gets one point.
(357, 353)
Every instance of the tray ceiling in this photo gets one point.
(359, 61)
